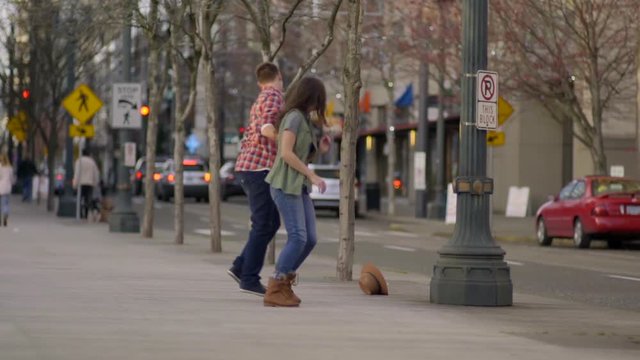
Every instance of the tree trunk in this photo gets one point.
(352, 84)
(51, 163)
(178, 157)
(157, 89)
(391, 154)
(214, 153)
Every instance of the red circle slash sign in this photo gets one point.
(488, 87)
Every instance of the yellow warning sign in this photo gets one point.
(504, 110)
(82, 103)
(85, 131)
(17, 126)
(495, 138)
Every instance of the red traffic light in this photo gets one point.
(145, 110)
(26, 94)
(241, 130)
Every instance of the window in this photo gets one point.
(565, 193)
(615, 186)
(578, 190)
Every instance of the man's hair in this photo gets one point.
(267, 72)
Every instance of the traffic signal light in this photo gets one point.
(241, 131)
(26, 94)
(145, 110)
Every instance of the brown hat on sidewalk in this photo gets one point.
(371, 281)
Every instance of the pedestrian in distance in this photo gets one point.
(300, 140)
(6, 182)
(255, 159)
(26, 171)
(86, 178)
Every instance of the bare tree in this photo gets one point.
(264, 20)
(151, 25)
(573, 57)
(208, 13)
(63, 38)
(185, 52)
(352, 84)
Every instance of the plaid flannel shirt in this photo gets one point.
(256, 151)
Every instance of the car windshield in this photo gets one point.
(328, 173)
(615, 186)
(197, 167)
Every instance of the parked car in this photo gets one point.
(592, 208)
(230, 183)
(330, 199)
(140, 170)
(196, 180)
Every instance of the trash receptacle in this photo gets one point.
(373, 196)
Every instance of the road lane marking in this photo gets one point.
(207, 232)
(239, 226)
(400, 248)
(624, 277)
(364, 233)
(514, 263)
(329, 240)
(401, 234)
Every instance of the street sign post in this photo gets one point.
(125, 105)
(487, 100)
(82, 103)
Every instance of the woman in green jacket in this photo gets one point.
(299, 141)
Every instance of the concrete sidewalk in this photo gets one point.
(72, 290)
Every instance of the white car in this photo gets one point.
(330, 200)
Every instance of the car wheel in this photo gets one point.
(541, 232)
(580, 239)
(614, 244)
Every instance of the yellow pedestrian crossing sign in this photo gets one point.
(85, 131)
(17, 126)
(82, 103)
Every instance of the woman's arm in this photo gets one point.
(287, 142)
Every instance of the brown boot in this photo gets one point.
(279, 294)
(291, 280)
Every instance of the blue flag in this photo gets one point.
(406, 99)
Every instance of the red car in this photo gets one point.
(594, 207)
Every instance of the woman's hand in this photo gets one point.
(317, 181)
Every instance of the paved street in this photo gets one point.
(72, 290)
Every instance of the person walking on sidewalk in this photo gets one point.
(86, 178)
(299, 131)
(26, 171)
(256, 156)
(6, 182)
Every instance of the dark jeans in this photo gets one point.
(27, 188)
(265, 222)
(86, 198)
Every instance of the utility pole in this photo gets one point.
(423, 140)
(123, 218)
(67, 203)
(471, 269)
(436, 209)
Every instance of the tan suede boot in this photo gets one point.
(279, 294)
(291, 280)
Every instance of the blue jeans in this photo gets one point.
(265, 222)
(300, 221)
(27, 188)
(4, 204)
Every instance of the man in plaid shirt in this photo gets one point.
(257, 153)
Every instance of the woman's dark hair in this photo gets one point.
(308, 94)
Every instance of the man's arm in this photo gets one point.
(271, 108)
